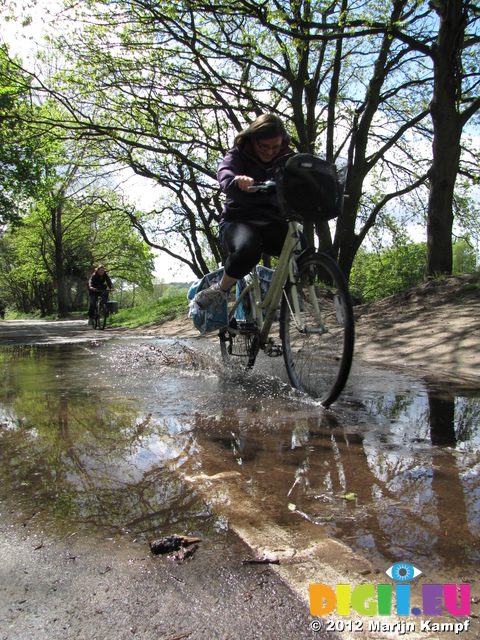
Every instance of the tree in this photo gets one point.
(455, 101)
(165, 87)
(453, 105)
(224, 67)
(83, 234)
(76, 221)
(465, 259)
(18, 150)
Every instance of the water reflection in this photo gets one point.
(413, 499)
(87, 456)
(104, 435)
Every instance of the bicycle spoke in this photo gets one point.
(318, 330)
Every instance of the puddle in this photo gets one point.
(152, 437)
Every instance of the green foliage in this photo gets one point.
(225, 65)
(88, 236)
(162, 88)
(76, 221)
(165, 308)
(383, 273)
(132, 296)
(114, 243)
(20, 156)
(464, 257)
(377, 275)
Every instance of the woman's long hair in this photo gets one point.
(265, 127)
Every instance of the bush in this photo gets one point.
(381, 274)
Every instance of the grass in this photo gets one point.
(154, 313)
(12, 314)
(471, 286)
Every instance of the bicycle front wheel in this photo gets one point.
(102, 315)
(96, 318)
(317, 329)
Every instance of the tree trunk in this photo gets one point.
(59, 267)
(447, 131)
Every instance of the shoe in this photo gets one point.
(213, 295)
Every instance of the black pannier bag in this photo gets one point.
(312, 187)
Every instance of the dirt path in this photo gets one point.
(433, 328)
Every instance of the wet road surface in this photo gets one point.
(136, 439)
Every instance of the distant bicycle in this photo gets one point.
(101, 310)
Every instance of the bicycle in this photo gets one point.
(316, 311)
(101, 309)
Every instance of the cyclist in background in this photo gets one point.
(98, 283)
(250, 223)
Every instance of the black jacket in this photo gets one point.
(96, 281)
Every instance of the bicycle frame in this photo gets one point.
(285, 268)
(102, 295)
(102, 298)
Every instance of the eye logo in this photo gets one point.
(403, 572)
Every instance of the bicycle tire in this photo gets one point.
(318, 360)
(103, 314)
(96, 318)
(238, 341)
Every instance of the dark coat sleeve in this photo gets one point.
(242, 205)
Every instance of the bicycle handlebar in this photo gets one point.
(269, 185)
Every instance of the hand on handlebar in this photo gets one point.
(245, 183)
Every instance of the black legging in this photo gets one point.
(246, 241)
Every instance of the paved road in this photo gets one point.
(87, 586)
(42, 332)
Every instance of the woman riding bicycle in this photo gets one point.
(250, 223)
(98, 283)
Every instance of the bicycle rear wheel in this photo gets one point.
(239, 341)
(318, 340)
